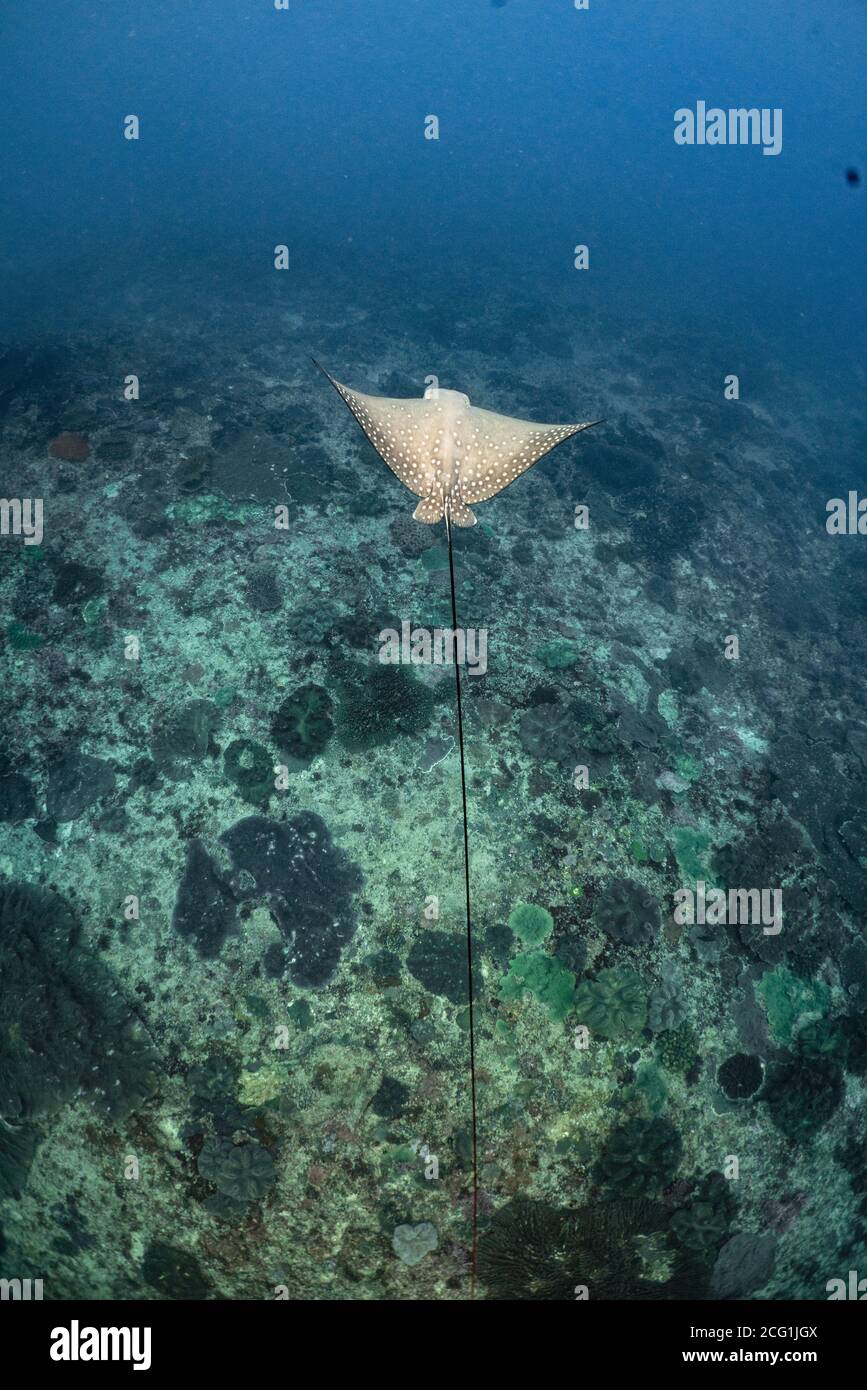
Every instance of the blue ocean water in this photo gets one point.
(556, 127)
(234, 934)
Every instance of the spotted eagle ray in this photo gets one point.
(450, 454)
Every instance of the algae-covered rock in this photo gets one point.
(558, 655)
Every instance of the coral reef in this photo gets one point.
(381, 704)
(249, 767)
(626, 912)
(543, 977)
(533, 1251)
(530, 924)
(613, 1004)
(639, 1158)
(244, 1172)
(254, 986)
(302, 724)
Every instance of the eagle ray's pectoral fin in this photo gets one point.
(403, 432)
(500, 448)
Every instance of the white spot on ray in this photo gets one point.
(449, 452)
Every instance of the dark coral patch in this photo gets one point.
(438, 960)
(75, 782)
(627, 912)
(533, 1251)
(75, 583)
(175, 1274)
(802, 1096)
(306, 880)
(263, 590)
(65, 1030)
(390, 1099)
(248, 765)
(18, 1144)
(184, 738)
(383, 703)
(17, 799)
(741, 1075)
(241, 1171)
(205, 906)
(640, 1157)
(302, 724)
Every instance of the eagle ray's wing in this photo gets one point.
(495, 449)
(405, 433)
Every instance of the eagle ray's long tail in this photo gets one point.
(475, 1196)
